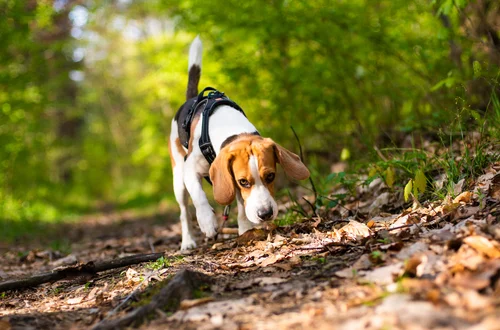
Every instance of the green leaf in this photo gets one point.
(477, 69)
(389, 177)
(345, 154)
(332, 204)
(408, 189)
(330, 177)
(420, 181)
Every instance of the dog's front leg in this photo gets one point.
(243, 223)
(204, 212)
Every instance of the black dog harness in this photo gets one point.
(209, 104)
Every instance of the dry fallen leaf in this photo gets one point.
(284, 266)
(464, 197)
(384, 275)
(348, 272)
(411, 250)
(255, 234)
(483, 245)
(475, 301)
(272, 259)
(457, 187)
(362, 263)
(261, 281)
(353, 230)
(415, 265)
(484, 182)
(93, 293)
(494, 191)
(74, 301)
(467, 280)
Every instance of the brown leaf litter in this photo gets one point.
(433, 266)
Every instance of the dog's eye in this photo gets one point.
(244, 183)
(270, 177)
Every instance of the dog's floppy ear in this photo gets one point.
(222, 178)
(291, 163)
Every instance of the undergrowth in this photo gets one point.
(428, 172)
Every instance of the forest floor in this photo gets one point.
(358, 266)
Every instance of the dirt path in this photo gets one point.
(434, 266)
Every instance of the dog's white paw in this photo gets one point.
(208, 222)
(188, 243)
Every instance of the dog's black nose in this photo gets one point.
(265, 214)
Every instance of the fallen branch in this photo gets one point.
(230, 231)
(89, 269)
(180, 287)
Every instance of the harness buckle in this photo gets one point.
(216, 95)
(208, 151)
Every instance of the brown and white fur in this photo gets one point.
(244, 168)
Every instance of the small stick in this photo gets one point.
(302, 159)
(230, 231)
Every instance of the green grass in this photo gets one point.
(288, 219)
(163, 262)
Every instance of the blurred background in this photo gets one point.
(88, 87)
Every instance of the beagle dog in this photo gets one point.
(244, 167)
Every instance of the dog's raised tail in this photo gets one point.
(194, 67)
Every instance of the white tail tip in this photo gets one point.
(195, 52)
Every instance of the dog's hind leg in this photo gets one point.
(177, 154)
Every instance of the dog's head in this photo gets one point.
(248, 165)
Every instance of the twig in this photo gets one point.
(379, 153)
(302, 158)
(401, 227)
(320, 248)
(312, 207)
(83, 270)
(300, 209)
(229, 231)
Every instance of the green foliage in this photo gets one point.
(163, 262)
(291, 216)
(377, 257)
(416, 186)
(320, 260)
(88, 89)
(408, 189)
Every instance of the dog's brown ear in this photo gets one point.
(222, 178)
(291, 163)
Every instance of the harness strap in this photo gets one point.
(197, 102)
(209, 103)
(214, 100)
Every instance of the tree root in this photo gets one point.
(180, 287)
